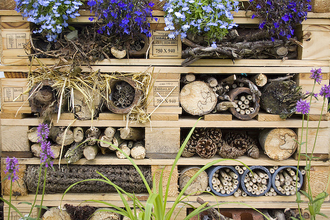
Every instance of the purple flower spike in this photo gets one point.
(12, 168)
(325, 91)
(316, 75)
(303, 106)
(46, 154)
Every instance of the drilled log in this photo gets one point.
(56, 214)
(78, 134)
(197, 98)
(131, 133)
(138, 151)
(278, 144)
(198, 186)
(188, 78)
(61, 135)
(259, 79)
(90, 152)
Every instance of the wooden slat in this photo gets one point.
(14, 138)
(185, 122)
(111, 116)
(218, 117)
(164, 117)
(112, 159)
(269, 117)
(322, 142)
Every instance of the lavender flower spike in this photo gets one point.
(325, 91)
(12, 168)
(316, 75)
(303, 106)
(46, 154)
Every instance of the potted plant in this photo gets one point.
(280, 18)
(125, 20)
(207, 18)
(51, 16)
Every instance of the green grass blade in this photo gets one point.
(11, 206)
(149, 205)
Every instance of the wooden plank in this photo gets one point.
(111, 116)
(164, 117)
(162, 143)
(322, 145)
(319, 39)
(14, 138)
(15, 25)
(268, 117)
(10, 90)
(165, 171)
(17, 154)
(218, 117)
(320, 6)
(192, 69)
(183, 122)
(162, 46)
(23, 208)
(64, 116)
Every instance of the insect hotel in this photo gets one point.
(149, 109)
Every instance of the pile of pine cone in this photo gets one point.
(207, 142)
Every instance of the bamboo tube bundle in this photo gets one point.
(257, 183)
(286, 181)
(223, 180)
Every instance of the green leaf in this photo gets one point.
(307, 195)
(322, 214)
(149, 206)
(71, 28)
(317, 203)
(11, 206)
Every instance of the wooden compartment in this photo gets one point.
(161, 46)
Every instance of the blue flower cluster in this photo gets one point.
(51, 15)
(210, 18)
(122, 17)
(280, 17)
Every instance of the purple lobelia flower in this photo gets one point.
(303, 106)
(46, 152)
(325, 91)
(12, 168)
(316, 75)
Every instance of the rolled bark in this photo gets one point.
(197, 98)
(58, 135)
(33, 135)
(259, 79)
(56, 214)
(90, 152)
(74, 153)
(188, 78)
(133, 134)
(125, 149)
(278, 144)
(92, 134)
(78, 134)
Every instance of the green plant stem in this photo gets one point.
(299, 154)
(35, 198)
(10, 194)
(43, 193)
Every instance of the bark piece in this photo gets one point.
(116, 141)
(78, 134)
(223, 106)
(280, 97)
(212, 211)
(90, 152)
(197, 98)
(132, 134)
(92, 134)
(278, 144)
(56, 214)
(74, 153)
(58, 134)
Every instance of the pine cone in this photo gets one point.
(227, 151)
(190, 148)
(243, 143)
(214, 134)
(206, 148)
